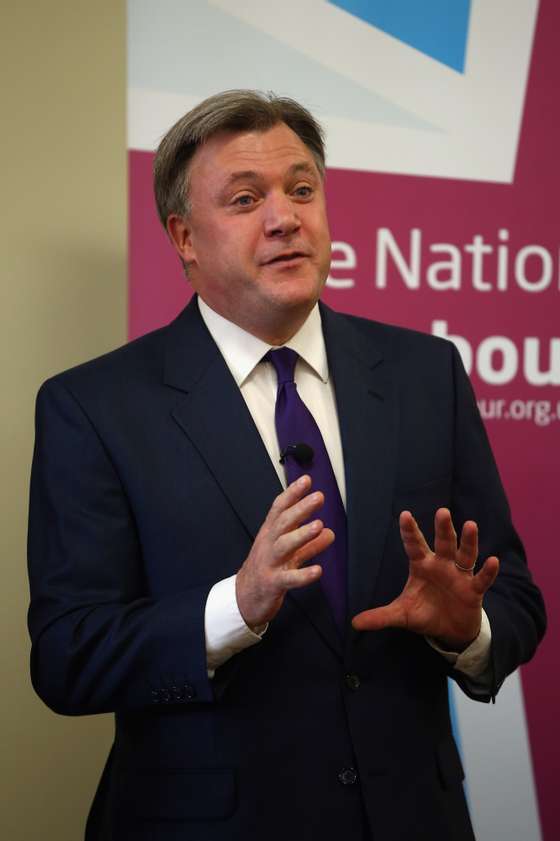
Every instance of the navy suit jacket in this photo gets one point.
(150, 482)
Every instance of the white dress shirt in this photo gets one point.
(226, 632)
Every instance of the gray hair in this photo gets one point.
(234, 110)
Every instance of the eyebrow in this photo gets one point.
(252, 175)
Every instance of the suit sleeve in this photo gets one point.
(100, 641)
(513, 604)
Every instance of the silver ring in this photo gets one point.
(464, 569)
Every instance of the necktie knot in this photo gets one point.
(284, 360)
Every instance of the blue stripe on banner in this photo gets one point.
(438, 28)
(455, 726)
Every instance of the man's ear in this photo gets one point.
(179, 231)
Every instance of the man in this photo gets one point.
(272, 676)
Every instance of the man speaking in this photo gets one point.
(242, 529)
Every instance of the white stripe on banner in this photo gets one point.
(497, 758)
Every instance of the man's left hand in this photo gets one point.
(442, 598)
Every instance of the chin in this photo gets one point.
(296, 301)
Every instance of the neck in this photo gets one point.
(275, 334)
(270, 329)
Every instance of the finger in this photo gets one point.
(389, 616)
(313, 547)
(412, 538)
(292, 494)
(296, 515)
(486, 576)
(293, 579)
(445, 543)
(467, 553)
(287, 545)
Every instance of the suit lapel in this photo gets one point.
(368, 418)
(213, 414)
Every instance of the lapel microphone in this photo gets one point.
(302, 453)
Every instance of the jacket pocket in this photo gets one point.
(423, 501)
(436, 492)
(177, 794)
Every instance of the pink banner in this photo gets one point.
(477, 262)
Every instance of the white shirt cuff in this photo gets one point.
(224, 627)
(474, 661)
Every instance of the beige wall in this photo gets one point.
(63, 258)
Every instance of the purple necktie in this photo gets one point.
(295, 425)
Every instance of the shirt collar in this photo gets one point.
(242, 351)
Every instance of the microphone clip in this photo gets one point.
(301, 452)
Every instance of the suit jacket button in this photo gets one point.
(189, 692)
(177, 694)
(156, 697)
(348, 776)
(352, 681)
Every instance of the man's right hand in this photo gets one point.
(282, 545)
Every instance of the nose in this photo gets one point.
(280, 216)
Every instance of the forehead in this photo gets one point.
(272, 151)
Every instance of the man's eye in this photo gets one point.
(245, 200)
(305, 191)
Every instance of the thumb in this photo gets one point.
(389, 616)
